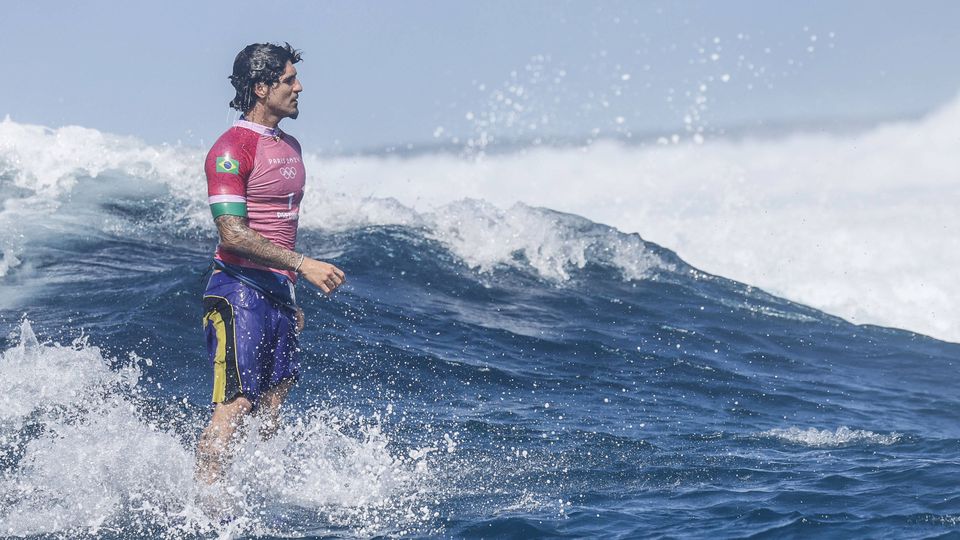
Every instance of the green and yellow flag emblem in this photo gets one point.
(227, 165)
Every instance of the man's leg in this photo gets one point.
(269, 408)
(215, 447)
(284, 368)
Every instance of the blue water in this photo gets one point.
(439, 400)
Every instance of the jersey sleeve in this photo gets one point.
(228, 167)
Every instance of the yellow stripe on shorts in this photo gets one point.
(220, 357)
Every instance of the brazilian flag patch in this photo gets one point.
(227, 165)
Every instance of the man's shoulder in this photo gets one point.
(292, 141)
(236, 140)
(231, 157)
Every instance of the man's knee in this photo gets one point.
(274, 397)
(231, 412)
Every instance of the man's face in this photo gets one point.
(281, 98)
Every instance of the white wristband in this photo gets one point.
(297, 268)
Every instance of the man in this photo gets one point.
(255, 180)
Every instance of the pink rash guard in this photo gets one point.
(257, 172)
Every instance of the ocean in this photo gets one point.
(740, 337)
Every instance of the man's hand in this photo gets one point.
(301, 320)
(324, 275)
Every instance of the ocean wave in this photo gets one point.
(846, 223)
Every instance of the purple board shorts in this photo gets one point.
(251, 340)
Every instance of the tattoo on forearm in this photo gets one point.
(237, 237)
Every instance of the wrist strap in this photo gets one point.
(297, 268)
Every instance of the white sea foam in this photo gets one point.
(40, 167)
(87, 458)
(826, 438)
(552, 243)
(859, 225)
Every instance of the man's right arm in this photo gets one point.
(238, 238)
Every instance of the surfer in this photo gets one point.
(255, 180)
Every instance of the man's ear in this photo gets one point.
(261, 90)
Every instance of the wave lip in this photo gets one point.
(842, 436)
(552, 243)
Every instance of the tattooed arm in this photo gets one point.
(236, 237)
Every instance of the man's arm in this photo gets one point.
(236, 237)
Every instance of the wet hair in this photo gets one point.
(258, 63)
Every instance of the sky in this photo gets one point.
(418, 73)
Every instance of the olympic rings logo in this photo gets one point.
(288, 172)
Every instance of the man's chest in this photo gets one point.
(278, 172)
